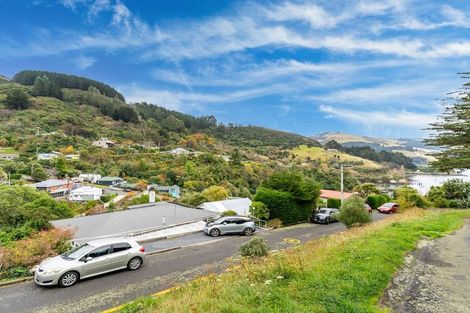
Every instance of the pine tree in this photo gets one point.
(453, 132)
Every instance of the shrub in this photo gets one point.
(274, 223)
(255, 248)
(333, 203)
(408, 197)
(436, 195)
(352, 212)
(229, 213)
(29, 252)
(259, 210)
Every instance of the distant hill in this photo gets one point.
(3, 79)
(90, 109)
(412, 148)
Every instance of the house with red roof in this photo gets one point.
(333, 194)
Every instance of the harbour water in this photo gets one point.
(423, 182)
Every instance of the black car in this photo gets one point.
(325, 216)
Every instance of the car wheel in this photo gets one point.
(248, 231)
(134, 264)
(327, 221)
(215, 232)
(68, 279)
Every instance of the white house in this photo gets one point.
(49, 155)
(180, 151)
(85, 193)
(91, 178)
(103, 143)
(239, 205)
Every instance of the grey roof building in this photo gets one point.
(153, 216)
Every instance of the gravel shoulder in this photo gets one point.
(435, 278)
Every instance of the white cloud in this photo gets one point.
(397, 119)
(179, 100)
(84, 62)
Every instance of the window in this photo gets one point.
(230, 221)
(241, 221)
(121, 247)
(99, 252)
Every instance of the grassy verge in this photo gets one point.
(346, 272)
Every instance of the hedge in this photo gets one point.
(376, 200)
(333, 203)
(282, 205)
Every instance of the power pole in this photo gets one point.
(342, 184)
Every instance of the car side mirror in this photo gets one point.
(225, 223)
(88, 258)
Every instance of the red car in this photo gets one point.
(388, 208)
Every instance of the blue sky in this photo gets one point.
(372, 67)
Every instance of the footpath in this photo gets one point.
(435, 277)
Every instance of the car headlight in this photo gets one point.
(52, 271)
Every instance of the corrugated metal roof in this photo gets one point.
(138, 218)
(239, 205)
(51, 183)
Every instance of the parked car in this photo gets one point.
(90, 259)
(325, 216)
(389, 207)
(368, 208)
(230, 225)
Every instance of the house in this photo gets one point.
(72, 156)
(333, 194)
(239, 205)
(180, 151)
(9, 156)
(103, 143)
(138, 219)
(56, 187)
(91, 178)
(109, 180)
(49, 155)
(173, 191)
(85, 193)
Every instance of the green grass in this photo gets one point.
(316, 153)
(8, 150)
(347, 272)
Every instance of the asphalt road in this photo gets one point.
(161, 271)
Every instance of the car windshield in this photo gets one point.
(388, 205)
(323, 212)
(78, 251)
(220, 220)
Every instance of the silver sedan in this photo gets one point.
(90, 259)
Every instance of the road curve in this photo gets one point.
(161, 271)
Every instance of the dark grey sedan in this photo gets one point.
(325, 216)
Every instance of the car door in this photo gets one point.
(120, 255)
(228, 226)
(240, 225)
(99, 262)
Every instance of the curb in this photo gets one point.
(162, 251)
(168, 237)
(15, 281)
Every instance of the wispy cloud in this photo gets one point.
(394, 118)
(84, 62)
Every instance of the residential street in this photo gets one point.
(161, 271)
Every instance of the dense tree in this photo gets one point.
(17, 99)
(364, 190)
(67, 81)
(452, 132)
(289, 196)
(44, 86)
(396, 158)
(215, 193)
(333, 144)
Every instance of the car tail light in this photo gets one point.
(142, 249)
